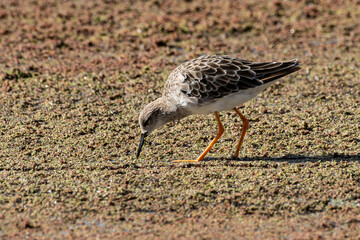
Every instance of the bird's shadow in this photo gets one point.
(291, 158)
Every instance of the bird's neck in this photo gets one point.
(171, 108)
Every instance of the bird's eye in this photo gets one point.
(147, 122)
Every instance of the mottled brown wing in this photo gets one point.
(210, 77)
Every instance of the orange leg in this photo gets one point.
(220, 132)
(243, 131)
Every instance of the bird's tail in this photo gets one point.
(270, 71)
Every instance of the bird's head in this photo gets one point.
(151, 118)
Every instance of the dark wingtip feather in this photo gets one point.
(288, 68)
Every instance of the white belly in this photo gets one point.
(226, 103)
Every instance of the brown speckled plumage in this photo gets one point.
(209, 77)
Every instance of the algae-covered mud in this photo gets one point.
(75, 74)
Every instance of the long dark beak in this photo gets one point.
(143, 136)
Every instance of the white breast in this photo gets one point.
(225, 103)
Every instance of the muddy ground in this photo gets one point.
(75, 74)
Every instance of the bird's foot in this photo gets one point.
(185, 161)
